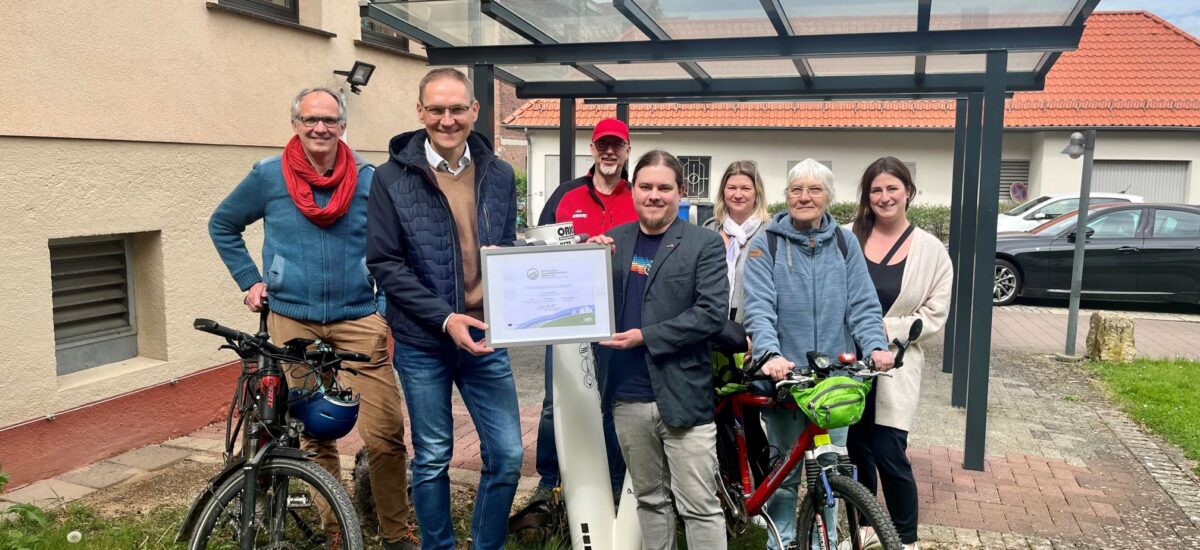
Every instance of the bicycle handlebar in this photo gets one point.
(243, 339)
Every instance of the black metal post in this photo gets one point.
(483, 77)
(623, 112)
(965, 270)
(985, 261)
(956, 234)
(566, 139)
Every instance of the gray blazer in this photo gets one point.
(685, 305)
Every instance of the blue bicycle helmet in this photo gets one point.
(325, 416)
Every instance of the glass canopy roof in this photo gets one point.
(680, 48)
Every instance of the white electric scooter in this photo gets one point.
(579, 437)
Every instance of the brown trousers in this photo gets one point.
(380, 416)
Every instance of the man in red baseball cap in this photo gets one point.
(594, 203)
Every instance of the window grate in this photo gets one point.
(92, 302)
(281, 9)
(695, 176)
(1012, 171)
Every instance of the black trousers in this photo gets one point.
(874, 448)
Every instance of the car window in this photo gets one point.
(1025, 206)
(1060, 207)
(1121, 224)
(1176, 224)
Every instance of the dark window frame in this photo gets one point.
(269, 9)
(375, 38)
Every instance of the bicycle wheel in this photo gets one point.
(841, 530)
(287, 514)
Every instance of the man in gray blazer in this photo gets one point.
(671, 294)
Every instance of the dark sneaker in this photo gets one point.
(410, 541)
(542, 494)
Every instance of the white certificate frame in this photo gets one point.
(514, 311)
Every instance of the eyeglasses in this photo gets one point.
(814, 192)
(606, 145)
(439, 111)
(329, 121)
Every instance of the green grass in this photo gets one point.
(155, 530)
(1160, 395)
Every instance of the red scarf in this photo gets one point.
(301, 178)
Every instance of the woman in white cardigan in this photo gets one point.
(913, 277)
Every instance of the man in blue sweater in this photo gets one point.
(440, 197)
(313, 203)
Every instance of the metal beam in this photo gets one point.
(483, 78)
(1076, 18)
(417, 31)
(530, 32)
(783, 27)
(965, 270)
(768, 47)
(956, 231)
(623, 112)
(923, 14)
(784, 87)
(566, 139)
(645, 23)
(985, 262)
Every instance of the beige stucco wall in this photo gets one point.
(850, 151)
(181, 72)
(138, 118)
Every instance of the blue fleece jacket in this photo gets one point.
(313, 273)
(809, 297)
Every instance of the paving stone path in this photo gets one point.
(1063, 469)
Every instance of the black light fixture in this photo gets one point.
(358, 75)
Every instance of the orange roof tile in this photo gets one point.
(1132, 69)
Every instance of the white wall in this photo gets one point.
(850, 151)
(1059, 173)
(1050, 171)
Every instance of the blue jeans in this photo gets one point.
(783, 427)
(490, 394)
(547, 453)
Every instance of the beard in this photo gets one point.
(608, 170)
(658, 222)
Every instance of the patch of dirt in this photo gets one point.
(172, 487)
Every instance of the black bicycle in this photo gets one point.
(270, 494)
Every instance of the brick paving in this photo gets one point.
(1043, 330)
(1063, 469)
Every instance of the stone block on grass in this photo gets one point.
(1110, 337)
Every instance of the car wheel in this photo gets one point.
(1007, 284)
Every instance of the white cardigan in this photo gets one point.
(925, 294)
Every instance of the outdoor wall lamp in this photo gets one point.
(358, 75)
(1082, 144)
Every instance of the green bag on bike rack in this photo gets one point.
(835, 402)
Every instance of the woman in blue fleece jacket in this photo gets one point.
(807, 296)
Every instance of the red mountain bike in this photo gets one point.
(834, 500)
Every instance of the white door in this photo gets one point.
(1154, 180)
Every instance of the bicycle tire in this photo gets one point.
(852, 499)
(298, 518)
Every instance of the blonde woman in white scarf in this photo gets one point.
(740, 213)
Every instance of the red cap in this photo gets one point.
(610, 127)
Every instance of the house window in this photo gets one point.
(280, 9)
(695, 176)
(379, 34)
(92, 294)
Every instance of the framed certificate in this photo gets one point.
(538, 295)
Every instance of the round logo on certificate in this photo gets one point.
(533, 274)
